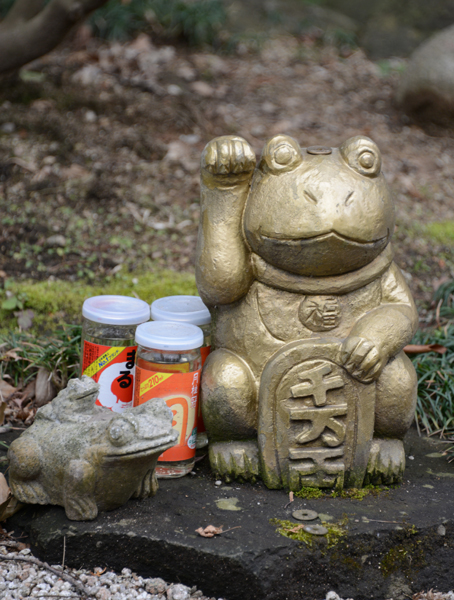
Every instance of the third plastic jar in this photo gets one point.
(188, 309)
(168, 366)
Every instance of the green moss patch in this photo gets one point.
(56, 302)
(295, 531)
(442, 232)
(309, 493)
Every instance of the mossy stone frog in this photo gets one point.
(86, 458)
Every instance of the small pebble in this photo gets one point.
(8, 128)
(218, 482)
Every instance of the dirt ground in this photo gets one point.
(100, 146)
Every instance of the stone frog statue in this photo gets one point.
(86, 458)
(310, 315)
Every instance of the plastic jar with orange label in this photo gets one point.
(109, 347)
(188, 309)
(168, 366)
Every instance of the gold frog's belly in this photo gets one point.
(267, 318)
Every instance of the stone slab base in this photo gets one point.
(397, 543)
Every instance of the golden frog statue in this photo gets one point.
(308, 384)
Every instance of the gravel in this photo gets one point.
(20, 580)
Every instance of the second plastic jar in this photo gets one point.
(168, 366)
(188, 309)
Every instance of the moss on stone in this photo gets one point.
(309, 493)
(57, 302)
(295, 531)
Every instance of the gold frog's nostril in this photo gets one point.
(349, 198)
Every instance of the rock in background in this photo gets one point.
(383, 28)
(427, 86)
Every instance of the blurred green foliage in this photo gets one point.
(197, 21)
(5, 5)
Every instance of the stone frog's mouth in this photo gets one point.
(319, 256)
(149, 446)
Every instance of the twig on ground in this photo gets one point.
(394, 522)
(35, 561)
(64, 552)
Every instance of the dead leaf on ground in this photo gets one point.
(209, 531)
(11, 355)
(25, 318)
(6, 389)
(5, 492)
(420, 348)
(296, 529)
(8, 503)
(44, 389)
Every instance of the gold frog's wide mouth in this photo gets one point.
(320, 256)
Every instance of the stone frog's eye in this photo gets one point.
(281, 153)
(362, 155)
(121, 431)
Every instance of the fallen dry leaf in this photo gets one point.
(296, 529)
(6, 389)
(44, 389)
(11, 355)
(209, 531)
(5, 492)
(8, 503)
(420, 348)
(9, 508)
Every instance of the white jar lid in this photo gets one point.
(167, 335)
(184, 309)
(116, 310)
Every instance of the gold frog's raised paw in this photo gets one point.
(229, 155)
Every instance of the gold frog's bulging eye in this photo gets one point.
(362, 155)
(282, 153)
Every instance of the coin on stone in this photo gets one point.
(304, 515)
(316, 529)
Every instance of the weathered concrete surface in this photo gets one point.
(398, 542)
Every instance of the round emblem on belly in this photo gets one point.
(320, 313)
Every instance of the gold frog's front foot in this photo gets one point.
(386, 462)
(235, 460)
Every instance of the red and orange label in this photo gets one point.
(180, 391)
(204, 351)
(113, 368)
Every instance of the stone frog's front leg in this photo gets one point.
(79, 491)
